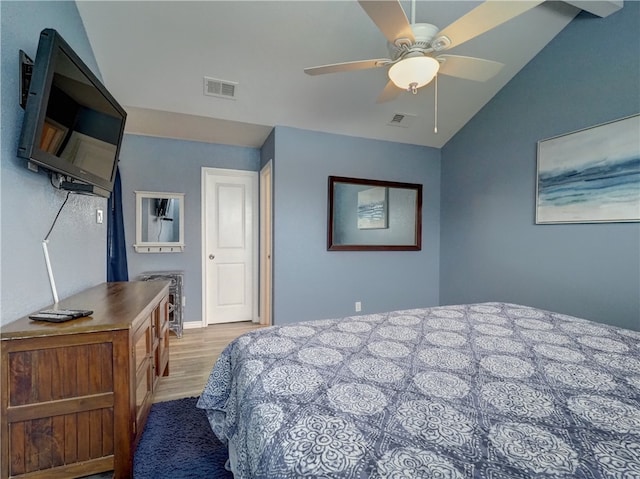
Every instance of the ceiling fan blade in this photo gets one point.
(390, 92)
(469, 68)
(390, 18)
(347, 66)
(483, 18)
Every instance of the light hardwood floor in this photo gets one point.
(191, 358)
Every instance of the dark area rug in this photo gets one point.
(178, 443)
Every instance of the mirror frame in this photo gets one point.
(416, 245)
(154, 246)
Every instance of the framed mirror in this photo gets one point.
(373, 215)
(159, 222)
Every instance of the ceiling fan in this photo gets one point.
(415, 48)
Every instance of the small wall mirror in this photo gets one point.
(372, 215)
(159, 222)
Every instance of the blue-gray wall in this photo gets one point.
(305, 277)
(267, 152)
(28, 203)
(311, 282)
(491, 248)
(175, 166)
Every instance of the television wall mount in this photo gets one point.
(26, 71)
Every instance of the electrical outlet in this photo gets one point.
(99, 217)
(358, 306)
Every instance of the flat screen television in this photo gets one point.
(162, 207)
(72, 125)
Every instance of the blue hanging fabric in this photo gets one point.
(116, 246)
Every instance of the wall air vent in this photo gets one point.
(403, 120)
(220, 88)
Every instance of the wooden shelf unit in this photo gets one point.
(75, 395)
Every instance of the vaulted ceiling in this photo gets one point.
(154, 55)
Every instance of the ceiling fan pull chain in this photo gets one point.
(435, 122)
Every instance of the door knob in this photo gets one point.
(211, 256)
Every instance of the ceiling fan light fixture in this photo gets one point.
(414, 72)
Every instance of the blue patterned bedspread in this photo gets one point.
(491, 391)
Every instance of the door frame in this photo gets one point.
(266, 244)
(210, 171)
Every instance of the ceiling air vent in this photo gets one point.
(220, 88)
(403, 120)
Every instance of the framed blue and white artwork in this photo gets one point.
(590, 175)
(372, 208)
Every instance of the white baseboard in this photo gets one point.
(198, 324)
(192, 325)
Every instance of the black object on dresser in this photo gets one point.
(176, 280)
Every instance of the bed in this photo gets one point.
(488, 390)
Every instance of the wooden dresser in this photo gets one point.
(75, 395)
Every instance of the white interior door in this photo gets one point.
(230, 217)
(265, 244)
